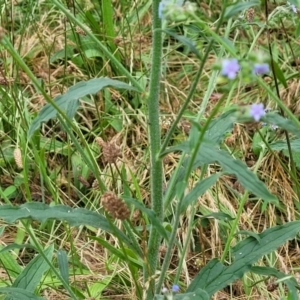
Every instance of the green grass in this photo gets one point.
(48, 47)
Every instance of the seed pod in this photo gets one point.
(115, 206)
(110, 151)
(18, 158)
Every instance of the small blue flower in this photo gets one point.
(257, 111)
(175, 288)
(163, 6)
(293, 7)
(230, 68)
(260, 69)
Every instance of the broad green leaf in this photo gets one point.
(63, 54)
(74, 216)
(9, 263)
(215, 276)
(185, 41)
(282, 145)
(63, 265)
(218, 128)
(17, 246)
(19, 294)
(69, 102)
(237, 7)
(295, 2)
(290, 282)
(250, 233)
(279, 74)
(31, 276)
(210, 154)
(273, 118)
(296, 157)
(218, 216)
(199, 189)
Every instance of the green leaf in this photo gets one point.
(296, 157)
(185, 41)
(19, 294)
(210, 154)
(17, 246)
(273, 118)
(279, 74)
(237, 7)
(74, 216)
(218, 128)
(62, 260)
(218, 216)
(31, 276)
(69, 102)
(250, 233)
(290, 282)
(215, 276)
(282, 145)
(65, 53)
(200, 188)
(295, 2)
(8, 262)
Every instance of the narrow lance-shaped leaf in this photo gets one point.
(31, 276)
(19, 294)
(215, 276)
(74, 216)
(289, 281)
(69, 101)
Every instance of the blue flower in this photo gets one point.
(293, 7)
(260, 69)
(175, 288)
(162, 7)
(257, 111)
(230, 68)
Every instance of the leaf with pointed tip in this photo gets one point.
(69, 102)
(215, 276)
(18, 294)
(290, 281)
(74, 216)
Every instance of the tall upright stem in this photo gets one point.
(156, 172)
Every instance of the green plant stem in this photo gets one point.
(180, 196)
(156, 171)
(239, 212)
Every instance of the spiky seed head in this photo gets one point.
(250, 13)
(83, 181)
(115, 206)
(18, 158)
(110, 151)
(95, 184)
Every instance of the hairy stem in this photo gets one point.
(156, 173)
